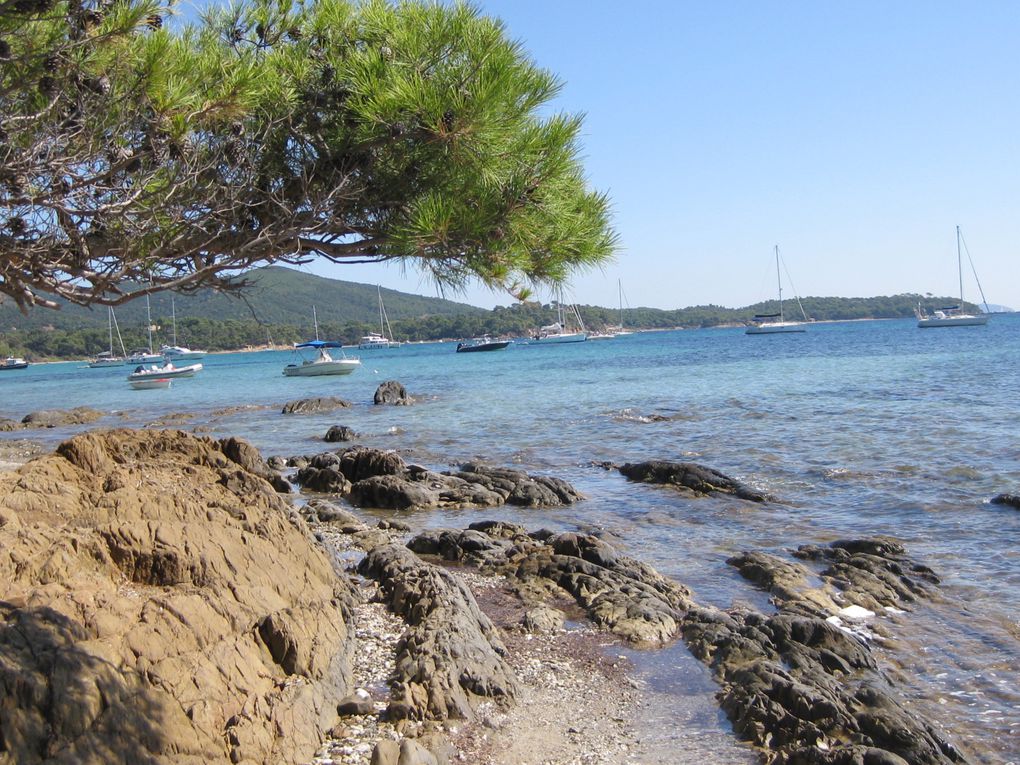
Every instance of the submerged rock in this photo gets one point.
(339, 433)
(160, 603)
(381, 479)
(315, 405)
(690, 476)
(392, 392)
(875, 573)
(53, 418)
(1013, 500)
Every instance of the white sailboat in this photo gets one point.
(620, 329)
(382, 339)
(175, 351)
(776, 323)
(145, 355)
(560, 332)
(954, 315)
(108, 358)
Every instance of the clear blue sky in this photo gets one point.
(856, 136)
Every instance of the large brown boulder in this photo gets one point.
(160, 603)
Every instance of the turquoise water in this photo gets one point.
(856, 428)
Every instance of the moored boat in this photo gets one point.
(776, 323)
(480, 344)
(151, 383)
(954, 315)
(323, 363)
(13, 362)
(167, 371)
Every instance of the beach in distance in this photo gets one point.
(864, 457)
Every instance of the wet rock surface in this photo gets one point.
(160, 603)
(315, 405)
(451, 657)
(372, 478)
(53, 418)
(796, 684)
(393, 393)
(617, 593)
(339, 433)
(1013, 500)
(690, 476)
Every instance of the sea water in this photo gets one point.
(857, 428)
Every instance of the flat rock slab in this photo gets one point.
(690, 476)
(315, 405)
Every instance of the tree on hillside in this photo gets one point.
(135, 158)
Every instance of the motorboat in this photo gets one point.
(776, 323)
(373, 340)
(323, 363)
(14, 362)
(151, 383)
(144, 356)
(175, 352)
(478, 344)
(180, 353)
(165, 371)
(954, 315)
(601, 335)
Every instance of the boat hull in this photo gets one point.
(482, 347)
(178, 353)
(14, 364)
(164, 374)
(100, 363)
(320, 368)
(141, 384)
(573, 337)
(952, 321)
(775, 328)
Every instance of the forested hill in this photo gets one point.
(277, 296)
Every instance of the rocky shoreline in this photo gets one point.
(165, 601)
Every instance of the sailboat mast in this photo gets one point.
(173, 317)
(619, 285)
(959, 265)
(148, 322)
(110, 317)
(779, 281)
(315, 321)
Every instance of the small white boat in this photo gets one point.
(180, 353)
(151, 383)
(954, 315)
(14, 362)
(481, 344)
(601, 335)
(144, 356)
(175, 352)
(776, 323)
(166, 371)
(323, 363)
(373, 340)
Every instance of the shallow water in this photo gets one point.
(857, 429)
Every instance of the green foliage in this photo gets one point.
(138, 158)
